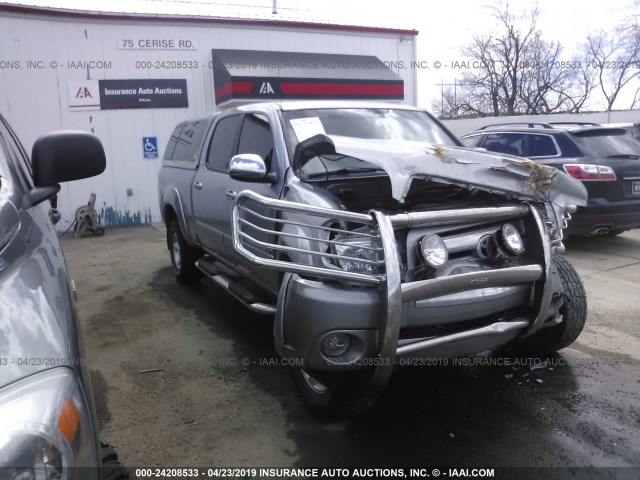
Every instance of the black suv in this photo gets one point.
(48, 426)
(606, 160)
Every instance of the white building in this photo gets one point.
(130, 78)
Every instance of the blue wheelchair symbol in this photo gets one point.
(150, 147)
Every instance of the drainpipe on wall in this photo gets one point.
(274, 9)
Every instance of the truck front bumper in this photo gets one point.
(374, 313)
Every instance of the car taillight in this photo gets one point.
(587, 172)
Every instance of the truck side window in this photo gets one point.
(171, 145)
(256, 137)
(189, 140)
(223, 143)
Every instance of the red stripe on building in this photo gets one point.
(340, 89)
(233, 87)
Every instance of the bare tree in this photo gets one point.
(515, 71)
(615, 59)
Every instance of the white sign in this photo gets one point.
(152, 43)
(307, 127)
(84, 95)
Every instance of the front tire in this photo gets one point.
(112, 468)
(346, 395)
(573, 311)
(183, 256)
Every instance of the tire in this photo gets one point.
(183, 256)
(331, 398)
(112, 468)
(573, 311)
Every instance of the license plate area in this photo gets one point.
(635, 187)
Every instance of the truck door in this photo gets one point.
(210, 182)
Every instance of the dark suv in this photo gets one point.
(48, 426)
(606, 160)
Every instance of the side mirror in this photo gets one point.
(312, 147)
(62, 157)
(249, 167)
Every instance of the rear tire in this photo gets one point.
(573, 311)
(183, 256)
(345, 396)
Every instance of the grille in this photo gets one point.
(439, 330)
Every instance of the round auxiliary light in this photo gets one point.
(510, 239)
(335, 344)
(433, 251)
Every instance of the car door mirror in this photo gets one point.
(249, 167)
(62, 157)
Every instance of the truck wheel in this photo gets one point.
(573, 311)
(328, 399)
(112, 468)
(183, 256)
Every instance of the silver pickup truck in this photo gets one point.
(373, 236)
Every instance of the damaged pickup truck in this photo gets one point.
(373, 236)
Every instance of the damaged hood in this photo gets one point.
(513, 176)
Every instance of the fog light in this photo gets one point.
(510, 240)
(433, 250)
(336, 344)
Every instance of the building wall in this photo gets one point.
(41, 54)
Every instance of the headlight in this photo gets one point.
(357, 254)
(45, 429)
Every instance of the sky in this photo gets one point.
(444, 26)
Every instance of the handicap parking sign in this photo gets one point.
(150, 147)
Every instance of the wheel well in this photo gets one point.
(169, 216)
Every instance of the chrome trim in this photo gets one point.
(472, 296)
(224, 282)
(468, 241)
(304, 209)
(436, 287)
(390, 328)
(493, 329)
(446, 217)
(545, 299)
(631, 178)
(240, 239)
(304, 237)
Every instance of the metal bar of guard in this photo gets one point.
(242, 238)
(396, 292)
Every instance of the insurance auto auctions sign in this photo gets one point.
(126, 94)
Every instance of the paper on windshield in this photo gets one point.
(307, 127)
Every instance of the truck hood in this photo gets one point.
(512, 176)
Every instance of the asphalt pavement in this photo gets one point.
(185, 376)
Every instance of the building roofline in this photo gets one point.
(94, 15)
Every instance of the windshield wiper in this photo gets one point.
(344, 171)
(624, 155)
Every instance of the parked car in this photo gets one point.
(374, 237)
(48, 425)
(605, 159)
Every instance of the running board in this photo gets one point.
(237, 290)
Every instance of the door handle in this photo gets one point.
(230, 194)
(198, 185)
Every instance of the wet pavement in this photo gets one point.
(184, 376)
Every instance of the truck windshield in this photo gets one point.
(366, 123)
